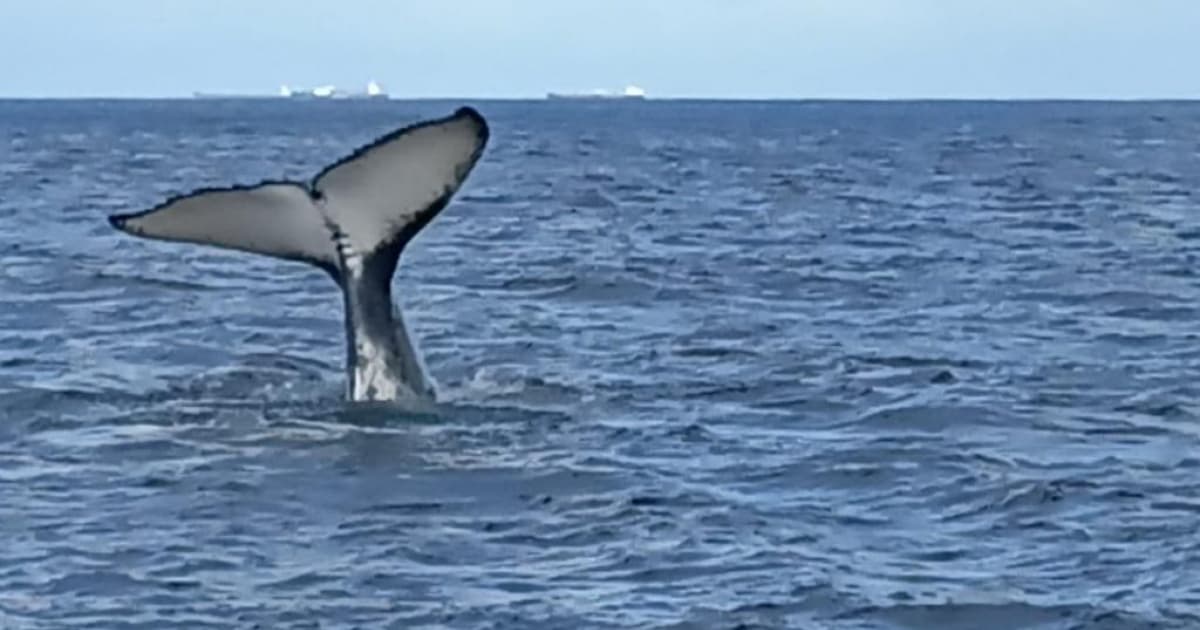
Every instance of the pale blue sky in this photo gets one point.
(688, 48)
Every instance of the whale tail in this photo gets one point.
(353, 220)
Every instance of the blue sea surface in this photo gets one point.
(887, 366)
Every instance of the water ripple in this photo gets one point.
(740, 365)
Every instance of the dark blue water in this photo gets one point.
(886, 366)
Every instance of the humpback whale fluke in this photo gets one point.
(352, 221)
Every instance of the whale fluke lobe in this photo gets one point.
(352, 220)
(389, 189)
(272, 218)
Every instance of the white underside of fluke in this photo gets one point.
(353, 221)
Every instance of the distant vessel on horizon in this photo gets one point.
(630, 92)
(372, 91)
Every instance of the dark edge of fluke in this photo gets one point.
(118, 220)
(467, 112)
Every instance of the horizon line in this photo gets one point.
(647, 98)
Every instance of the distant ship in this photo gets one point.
(630, 92)
(373, 91)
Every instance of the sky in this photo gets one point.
(875, 49)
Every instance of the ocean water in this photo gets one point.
(703, 365)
